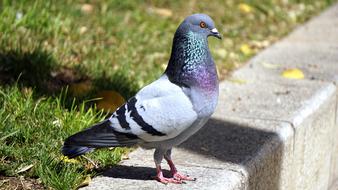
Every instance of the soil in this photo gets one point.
(20, 183)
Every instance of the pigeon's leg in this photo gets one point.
(158, 157)
(173, 170)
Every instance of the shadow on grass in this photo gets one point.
(37, 69)
(27, 68)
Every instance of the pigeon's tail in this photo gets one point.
(74, 151)
(98, 136)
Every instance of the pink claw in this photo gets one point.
(159, 177)
(181, 177)
(165, 180)
(177, 175)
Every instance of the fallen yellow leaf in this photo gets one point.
(244, 8)
(68, 160)
(110, 101)
(246, 49)
(261, 44)
(81, 88)
(85, 182)
(293, 73)
(83, 29)
(269, 65)
(163, 12)
(238, 81)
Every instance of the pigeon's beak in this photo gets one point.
(214, 32)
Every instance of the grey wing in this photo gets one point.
(158, 112)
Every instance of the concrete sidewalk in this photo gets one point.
(268, 132)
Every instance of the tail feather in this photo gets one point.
(74, 151)
(99, 136)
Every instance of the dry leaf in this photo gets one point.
(238, 81)
(25, 168)
(89, 166)
(125, 157)
(155, 56)
(110, 101)
(260, 44)
(245, 8)
(269, 65)
(221, 52)
(162, 12)
(87, 8)
(246, 49)
(68, 160)
(27, 91)
(85, 182)
(81, 88)
(83, 29)
(293, 73)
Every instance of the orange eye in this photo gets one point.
(202, 24)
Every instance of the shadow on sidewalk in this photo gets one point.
(133, 172)
(238, 144)
(227, 142)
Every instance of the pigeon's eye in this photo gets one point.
(202, 24)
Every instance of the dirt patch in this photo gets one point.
(20, 183)
(66, 76)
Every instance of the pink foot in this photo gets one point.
(177, 175)
(165, 180)
(181, 177)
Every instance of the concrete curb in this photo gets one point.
(268, 132)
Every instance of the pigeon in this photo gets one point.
(169, 110)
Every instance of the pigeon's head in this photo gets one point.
(201, 24)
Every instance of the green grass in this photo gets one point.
(32, 131)
(118, 45)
